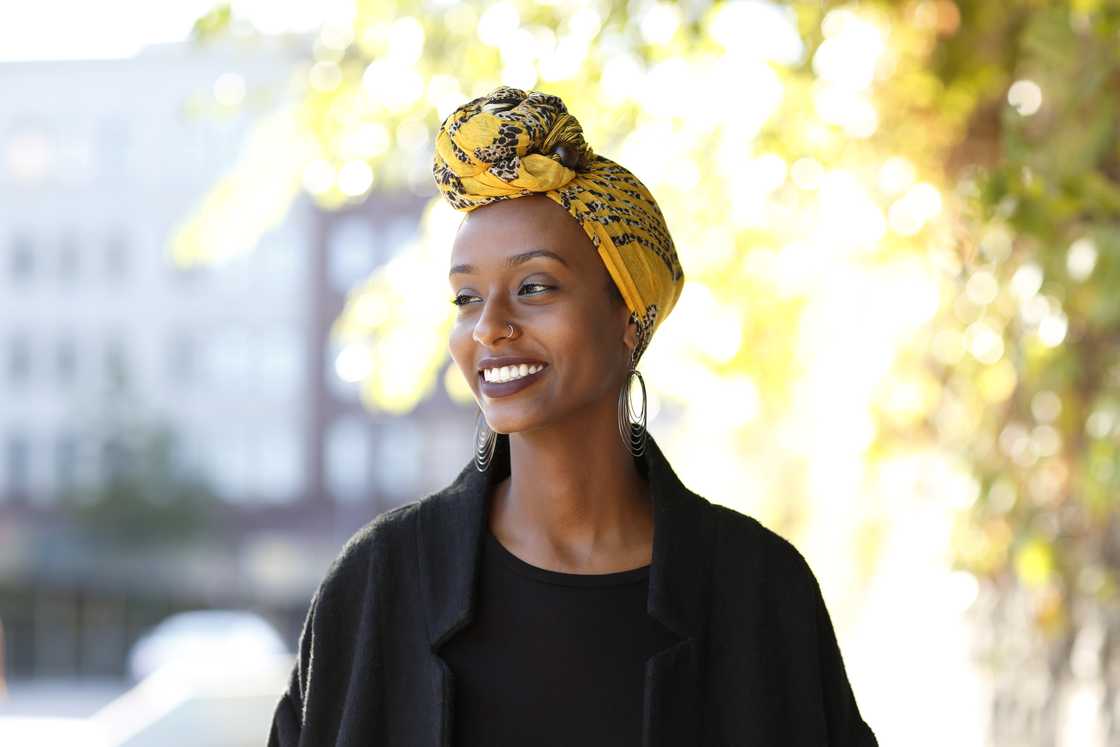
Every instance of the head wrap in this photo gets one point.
(513, 143)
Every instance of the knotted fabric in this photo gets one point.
(512, 143)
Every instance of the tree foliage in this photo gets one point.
(145, 500)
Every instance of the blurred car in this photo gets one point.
(205, 639)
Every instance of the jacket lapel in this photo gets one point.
(452, 522)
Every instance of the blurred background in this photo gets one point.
(223, 317)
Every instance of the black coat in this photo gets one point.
(758, 663)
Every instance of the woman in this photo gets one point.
(566, 588)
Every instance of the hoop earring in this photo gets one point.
(484, 442)
(633, 434)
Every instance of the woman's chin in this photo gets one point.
(505, 424)
(511, 418)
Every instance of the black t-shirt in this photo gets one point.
(552, 658)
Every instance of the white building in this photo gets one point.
(99, 161)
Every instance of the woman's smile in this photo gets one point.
(516, 382)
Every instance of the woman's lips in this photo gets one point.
(502, 389)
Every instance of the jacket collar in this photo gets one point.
(452, 522)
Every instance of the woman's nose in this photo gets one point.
(492, 323)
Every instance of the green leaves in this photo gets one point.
(216, 22)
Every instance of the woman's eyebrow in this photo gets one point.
(512, 261)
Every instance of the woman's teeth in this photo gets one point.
(510, 373)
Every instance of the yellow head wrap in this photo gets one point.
(513, 143)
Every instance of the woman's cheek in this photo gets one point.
(456, 347)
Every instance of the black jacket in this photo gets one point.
(758, 663)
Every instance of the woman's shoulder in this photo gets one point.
(746, 543)
(366, 548)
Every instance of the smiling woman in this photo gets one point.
(546, 306)
(566, 588)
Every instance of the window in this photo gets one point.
(229, 464)
(396, 235)
(277, 359)
(18, 360)
(181, 358)
(28, 153)
(66, 460)
(73, 154)
(279, 475)
(451, 448)
(17, 465)
(344, 391)
(116, 257)
(116, 363)
(400, 457)
(21, 259)
(66, 359)
(348, 452)
(352, 250)
(227, 358)
(114, 457)
(112, 147)
(68, 259)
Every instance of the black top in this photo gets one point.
(552, 658)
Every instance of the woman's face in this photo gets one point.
(559, 307)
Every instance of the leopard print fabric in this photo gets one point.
(512, 143)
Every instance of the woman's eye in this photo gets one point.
(460, 300)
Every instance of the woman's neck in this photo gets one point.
(574, 505)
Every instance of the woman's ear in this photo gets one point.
(630, 338)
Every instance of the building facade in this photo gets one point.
(104, 338)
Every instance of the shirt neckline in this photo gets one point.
(559, 578)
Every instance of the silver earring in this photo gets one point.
(485, 439)
(484, 442)
(633, 433)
